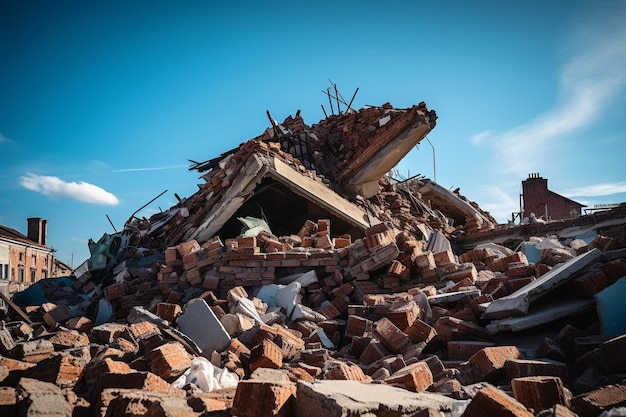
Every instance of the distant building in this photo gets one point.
(28, 259)
(546, 204)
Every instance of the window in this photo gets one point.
(21, 257)
(44, 274)
(33, 274)
(34, 260)
(4, 271)
(20, 273)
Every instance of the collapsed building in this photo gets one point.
(301, 279)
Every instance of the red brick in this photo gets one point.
(186, 248)
(266, 355)
(416, 377)
(613, 351)
(539, 392)
(614, 270)
(357, 326)
(168, 361)
(464, 271)
(425, 261)
(69, 339)
(168, 311)
(592, 403)
(518, 368)
(491, 401)
(403, 313)
(62, 369)
(337, 370)
(394, 339)
(488, 363)
(374, 351)
(420, 331)
(263, 399)
(444, 258)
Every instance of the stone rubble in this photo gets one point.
(392, 320)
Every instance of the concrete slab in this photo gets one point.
(352, 398)
(545, 314)
(518, 303)
(200, 323)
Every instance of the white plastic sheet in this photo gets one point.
(206, 376)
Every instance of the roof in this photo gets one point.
(9, 233)
(567, 199)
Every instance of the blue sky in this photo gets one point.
(103, 102)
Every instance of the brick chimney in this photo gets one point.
(38, 230)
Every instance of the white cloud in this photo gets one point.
(4, 139)
(592, 79)
(56, 187)
(596, 190)
(498, 203)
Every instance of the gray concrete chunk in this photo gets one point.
(201, 325)
(352, 398)
(518, 303)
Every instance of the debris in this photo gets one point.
(346, 292)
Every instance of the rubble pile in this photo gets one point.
(359, 306)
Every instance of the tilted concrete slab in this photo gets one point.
(542, 315)
(518, 303)
(202, 326)
(447, 201)
(352, 398)
(319, 194)
(365, 169)
(256, 168)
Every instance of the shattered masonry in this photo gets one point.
(302, 280)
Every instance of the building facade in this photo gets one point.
(543, 203)
(28, 259)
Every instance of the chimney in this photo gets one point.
(38, 230)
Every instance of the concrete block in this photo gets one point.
(519, 302)
(133, 402)
(352, 398)
(41, 399)
(263, 399)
